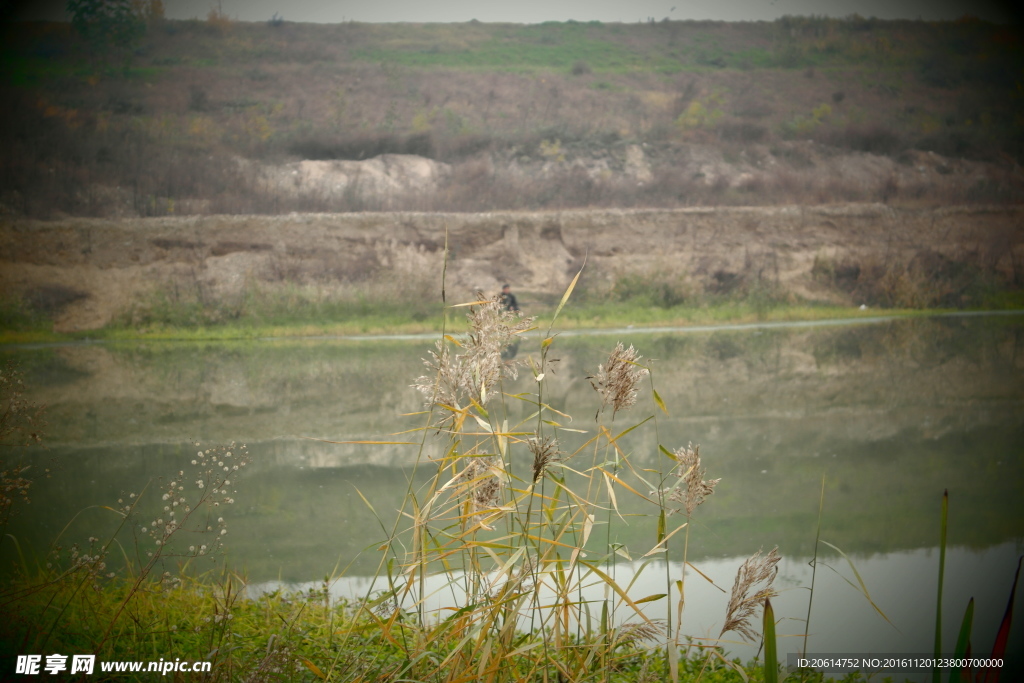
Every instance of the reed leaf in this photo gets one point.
(657, 400)
(565, 297)
(861, 587)
(315, 669)
(963, 644)
(942, 574)
(618, 590)
(1003, 635)
(771, 658)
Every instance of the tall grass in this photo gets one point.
(500, 568)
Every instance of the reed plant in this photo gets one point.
(499, 568)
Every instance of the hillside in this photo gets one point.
(218, 116)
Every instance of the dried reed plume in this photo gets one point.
(545, 451)
(481, 479)
(695, 488)
(617, 379)
(742, 605)
(454, 379)
(640, 631)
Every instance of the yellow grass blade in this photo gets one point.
(401, 443)
(863, 588)
(588, 526)
(471, 303)
(551, 541)
(625, 485)
(628, 430)
(315, 669)
(568, 292)
(487, 427)
(615, 587)
(657, 547)
(611, 493)
(705, 577)
(659, 402)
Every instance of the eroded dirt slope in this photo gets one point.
(99, 268)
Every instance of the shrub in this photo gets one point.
(109, 25)
(875, 138)
(926, 279)
(661, 288)
(357, 148)
(580, 68)
(742, 132)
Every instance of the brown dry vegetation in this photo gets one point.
(209, 116)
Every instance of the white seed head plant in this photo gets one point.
(617, 379)
(693, 488)
(456, 379)
(752, 587)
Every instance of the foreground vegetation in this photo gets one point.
(508, 527)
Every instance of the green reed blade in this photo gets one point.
(771, 657)
(963, 643)
(657, 400)
(942, 573)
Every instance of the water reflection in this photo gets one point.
(891, 414)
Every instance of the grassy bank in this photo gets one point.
(588, 316)
(279, 636)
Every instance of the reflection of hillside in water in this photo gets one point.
(860, 383)
(891, 413)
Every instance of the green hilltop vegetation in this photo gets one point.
(174, 117)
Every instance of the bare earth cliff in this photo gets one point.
(94, 269)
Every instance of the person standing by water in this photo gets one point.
(508, 299)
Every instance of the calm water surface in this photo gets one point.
(890, 414)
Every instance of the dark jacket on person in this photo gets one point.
(508, 300)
